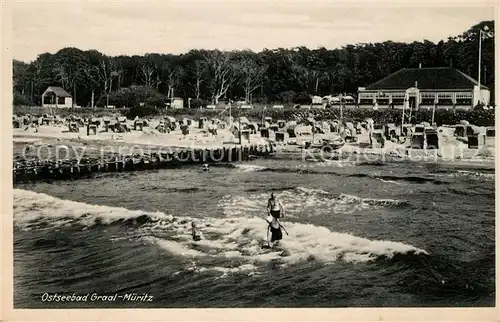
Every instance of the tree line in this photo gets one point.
(270, 76)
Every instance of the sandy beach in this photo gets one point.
(149, 136)
(450, 149)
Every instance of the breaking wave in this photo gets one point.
(470, 173)
(307, 169)
(229, 245)
(311, 166)
(475, 174)
(410, 179)
(327, 168)
(299, 200)
(249, 167)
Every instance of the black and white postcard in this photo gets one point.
(239, 156)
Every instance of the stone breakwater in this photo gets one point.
(33, 169)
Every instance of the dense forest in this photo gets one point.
(270, 76)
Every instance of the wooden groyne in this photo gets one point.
(36, 170)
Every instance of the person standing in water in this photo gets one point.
(274, 228)
(275, 207)
(276, 210)
(195, 232)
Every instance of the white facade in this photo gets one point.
(440, 87)
(482, 96)
(423, 98)
(317, 99)
(56, 97)
(68, 102)
(177, 103)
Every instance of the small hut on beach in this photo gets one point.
(56, 97)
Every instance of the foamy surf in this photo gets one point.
(482, 175)
(389, 181)
(304, 201)
(467, 174)
(227, 240)
(240, 240)
(337, 163)
(249, 167)
(32, 209)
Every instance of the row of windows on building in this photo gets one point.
(54, 100)
(425, 98)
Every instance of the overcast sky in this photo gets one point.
(116, 28)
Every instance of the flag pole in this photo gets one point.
(341, 108)
(486, 33)
(433, 113)
(479, 64)
(403, 113)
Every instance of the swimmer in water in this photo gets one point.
(275, 207)
(274, 228)
(195, 232)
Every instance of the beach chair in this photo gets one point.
(490, 137)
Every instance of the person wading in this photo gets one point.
(195, 232)
(274, 229)
(275, 207)
(276, 210)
